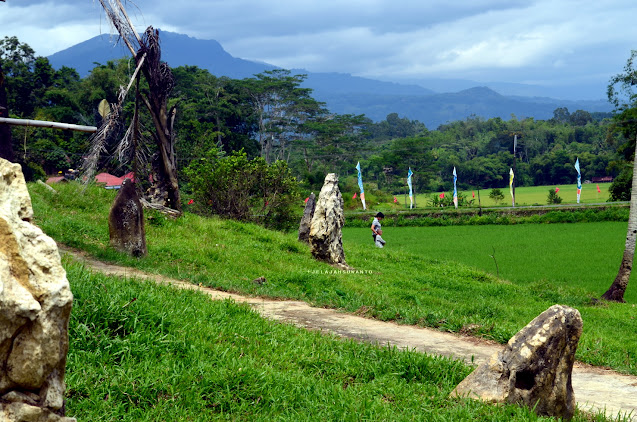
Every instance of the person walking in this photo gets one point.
(376, 228)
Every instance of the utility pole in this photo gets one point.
(515, 171)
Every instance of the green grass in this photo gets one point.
(400, 284)
(145, 352)
(584, 255)
(530, 195)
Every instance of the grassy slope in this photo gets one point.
(144, 352)
(401, 286)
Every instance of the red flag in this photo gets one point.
(354, 197)
(395, 199)
(598, 191)
(442, 195)
(557, 190)
(473, 194)
(307, 199)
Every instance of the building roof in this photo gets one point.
(109, 181)
(54, 179)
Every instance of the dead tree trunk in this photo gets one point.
(160, 83)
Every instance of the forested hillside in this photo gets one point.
(273, 116)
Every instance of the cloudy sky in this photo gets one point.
(546, 42)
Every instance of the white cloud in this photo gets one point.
(552, 41)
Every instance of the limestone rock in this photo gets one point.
(126, 222)
(325, 232)
(535, 367)
(306, 220)
(35, 305)
(20, 412)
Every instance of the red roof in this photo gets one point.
(108, 179)
(129, 175)
(54, 179)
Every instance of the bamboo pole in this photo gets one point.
(46, 124)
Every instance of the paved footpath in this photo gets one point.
(595, 388)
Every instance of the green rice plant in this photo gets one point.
(570, 264)
(534, 195)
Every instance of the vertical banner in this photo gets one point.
(511, 176)
(360, 184)
(579, 180)
(411, 192)
(455, 190)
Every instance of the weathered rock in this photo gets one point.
(35, 305)
(535, 367)
(325, 232)
(20, 412)
(126, 222)
(306, 220)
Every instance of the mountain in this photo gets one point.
(342, 92)
(176, 49)
(436, 109)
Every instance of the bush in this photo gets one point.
(242, 189)
(497, 195)
(620, 189)
(33, 172)
(553, 198)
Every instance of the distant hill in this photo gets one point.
(342, 92)
(436, 109)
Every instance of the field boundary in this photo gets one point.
(494, 215)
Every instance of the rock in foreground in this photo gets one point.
(35, 305)
(535, 367)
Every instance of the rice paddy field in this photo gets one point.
(526, 195)
(581, 255)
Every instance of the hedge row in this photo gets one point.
(505, 217)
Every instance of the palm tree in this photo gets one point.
(625, 101)
(616, 291)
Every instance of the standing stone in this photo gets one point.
(306, 220)
(126, 221)
(325, 232)
(535, 367)
(35, 305)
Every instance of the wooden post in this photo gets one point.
(46, 124)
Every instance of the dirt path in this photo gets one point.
(595, 388)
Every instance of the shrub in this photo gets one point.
(497, 195)
(620, 189)
(553, 198)
(242, 189)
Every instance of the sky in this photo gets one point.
(551, 43)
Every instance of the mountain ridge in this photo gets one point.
(342, 92)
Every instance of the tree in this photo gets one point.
(160, 82)
(497, 195)
(621, 92)
(281, 107)
(6, 144)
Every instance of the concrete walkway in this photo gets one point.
(595, 388)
